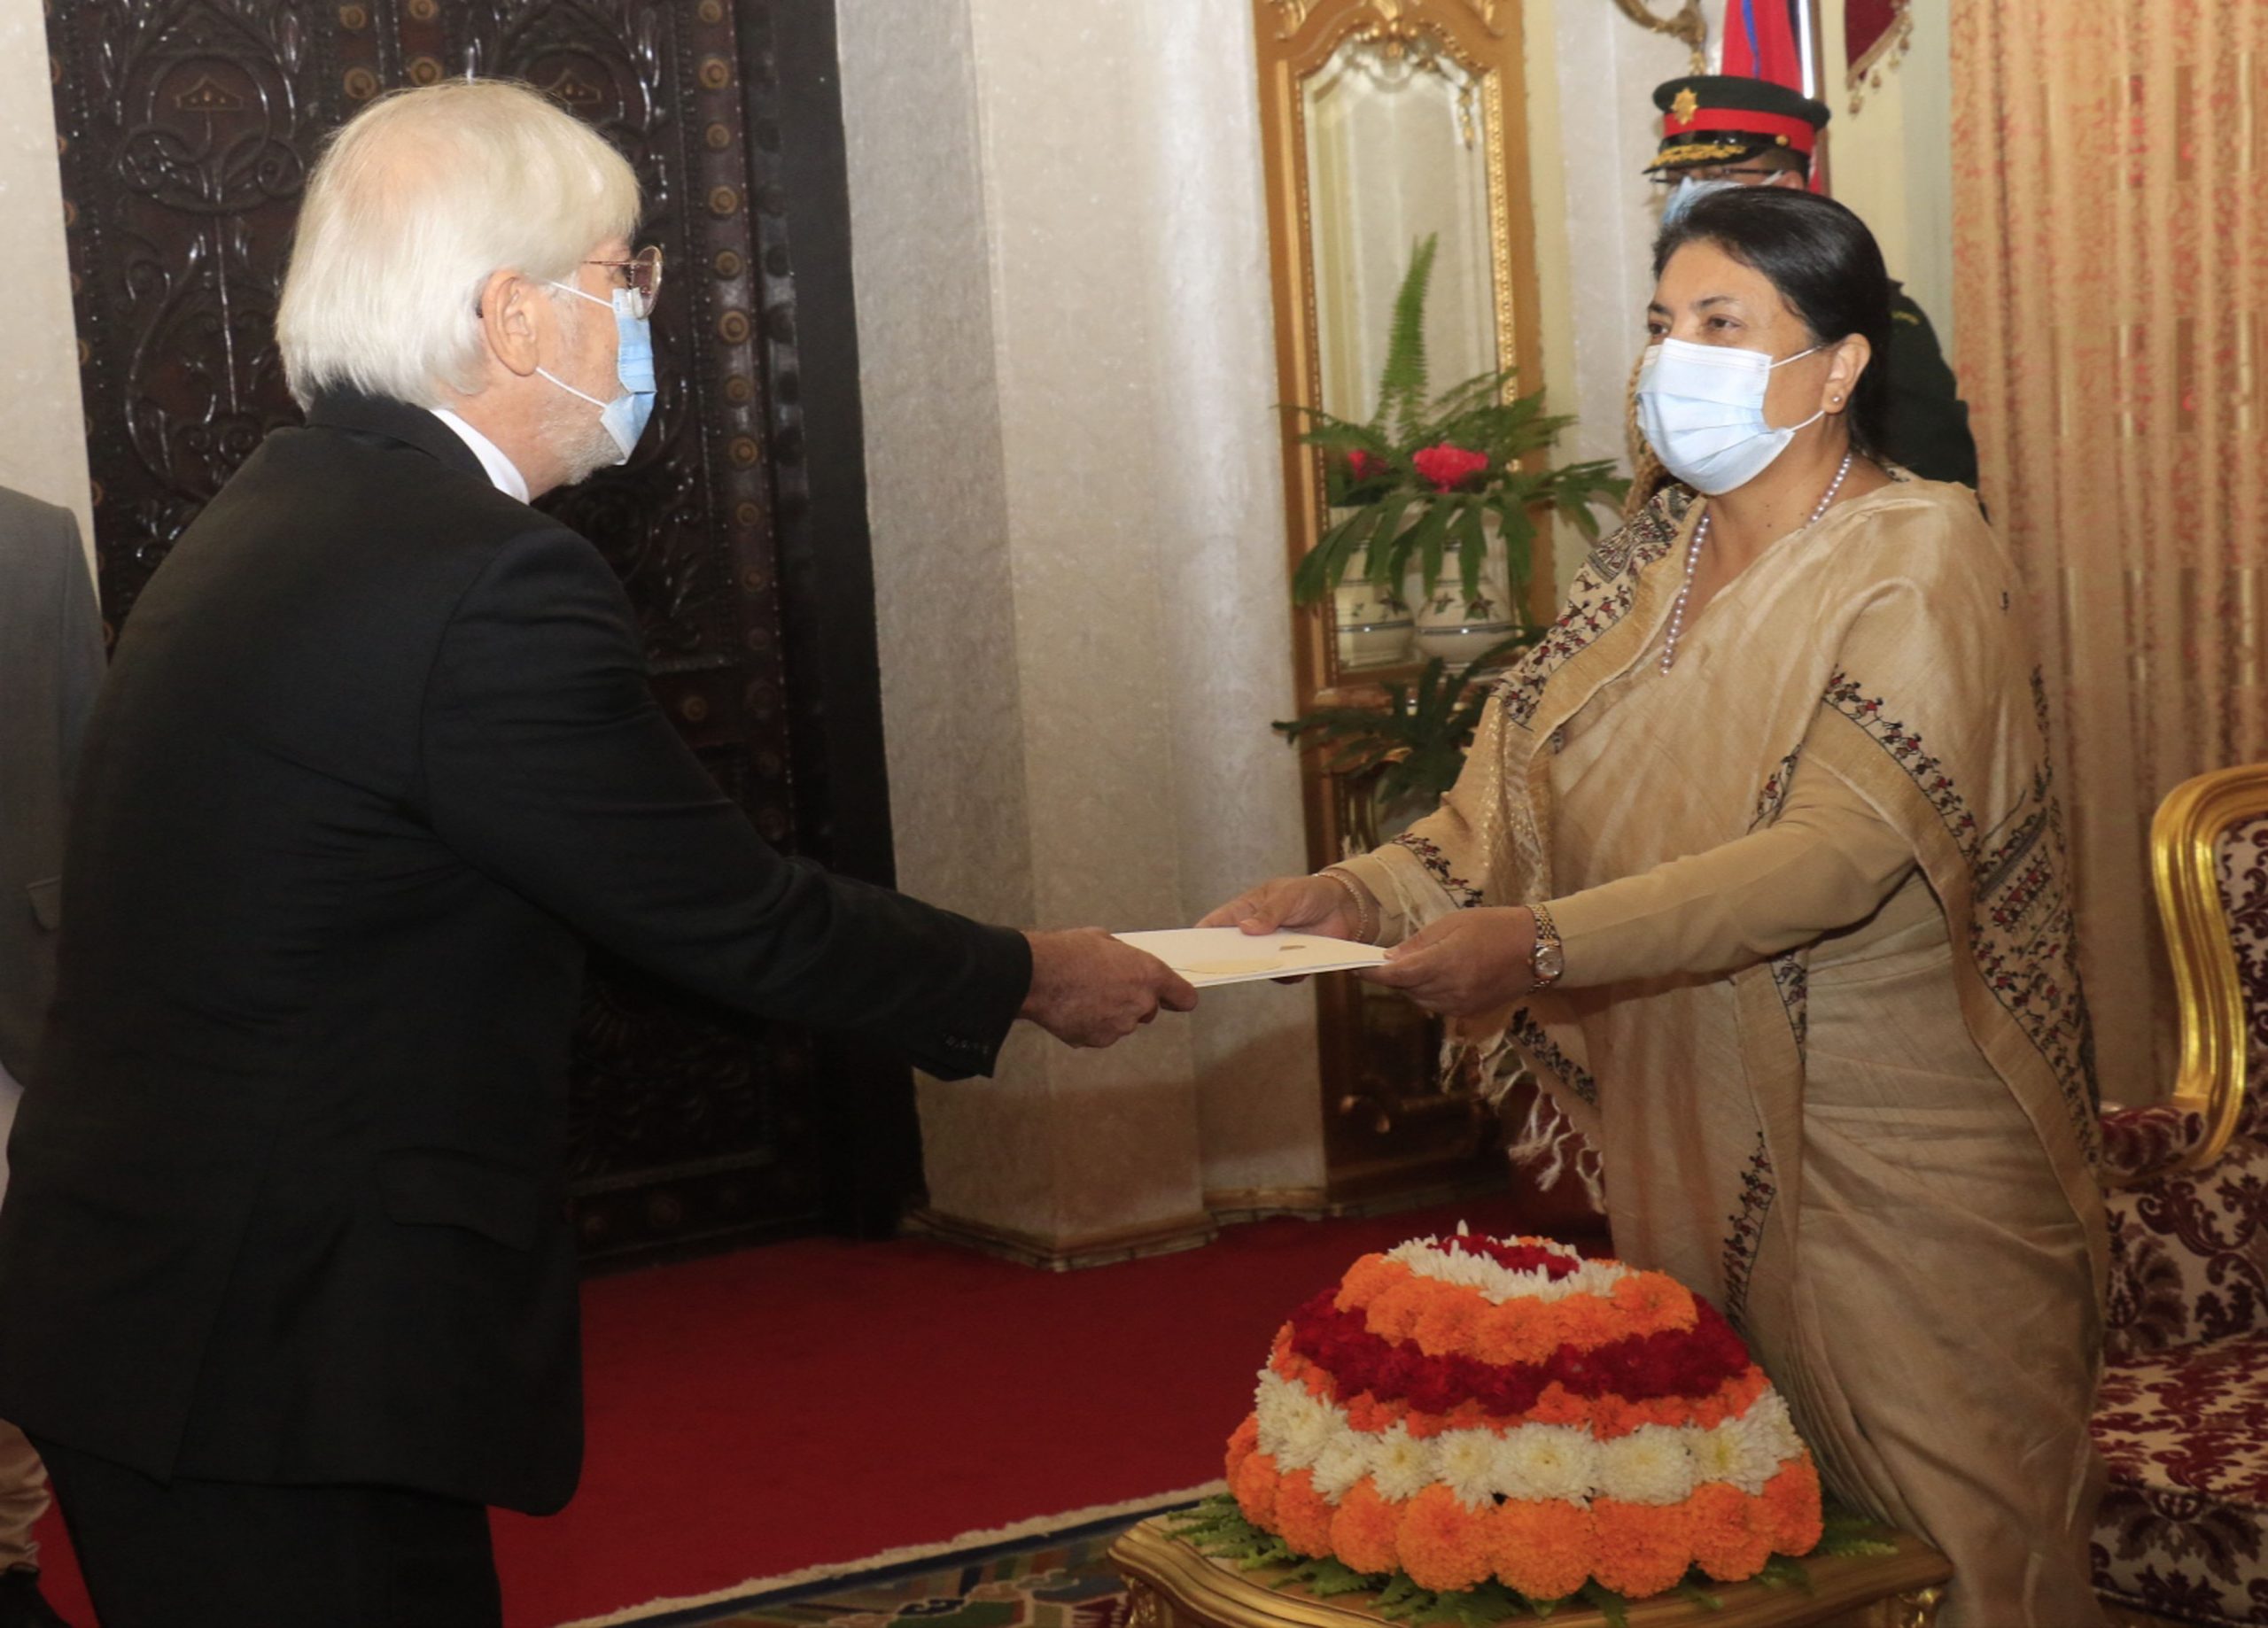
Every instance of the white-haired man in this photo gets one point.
(286, 1293)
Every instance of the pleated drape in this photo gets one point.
(2110, 195)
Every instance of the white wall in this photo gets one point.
(1593, 129)
(1062, 281)
(42, 433)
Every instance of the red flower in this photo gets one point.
(1514, 1257)
(1449, 467)
(1689, 1363)
(1361, 465)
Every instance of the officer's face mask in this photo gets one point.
(1687, 193)
(1702, 407)
(626, 416)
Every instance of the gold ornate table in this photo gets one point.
(1172, 1585)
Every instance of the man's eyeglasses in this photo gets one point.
(642, 274)
(1747, 175)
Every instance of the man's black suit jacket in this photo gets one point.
(376, 755)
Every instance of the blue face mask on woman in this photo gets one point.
(626, 416)
(1702, 407)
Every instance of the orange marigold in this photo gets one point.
(1613, 1417)
(1393, 1315)
(1731, 1399)
(1790, 1512)
(1366, 1279)
(1641, 1548)
(1444, 1540)
(1513, 1333)
(1365, 1412)
(1255, 1490)
(1302, 1513)
(1540, 1546)
(1447, 1323)
(1671, 1410)
(1587, 1321)
(1559, 1406)
(1363, 1530)
(1729, 1546)
(1653, 1302)
(1422, 1424)
(1243, 1445)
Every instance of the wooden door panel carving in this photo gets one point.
(189, 128)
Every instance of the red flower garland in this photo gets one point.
(1514, 1257)
(1690, 1363)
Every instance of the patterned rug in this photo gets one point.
(1044, 1574)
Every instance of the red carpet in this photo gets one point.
(821, 1401)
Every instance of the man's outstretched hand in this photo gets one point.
(1089, 989)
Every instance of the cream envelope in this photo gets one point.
(1207, 956)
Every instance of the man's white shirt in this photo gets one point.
(503, 472)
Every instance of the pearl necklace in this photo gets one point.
(1693, 562)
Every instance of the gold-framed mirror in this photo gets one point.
(1386, 123)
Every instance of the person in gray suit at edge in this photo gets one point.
(51, 664)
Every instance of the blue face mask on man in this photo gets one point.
(625, 417)
(1688, 192)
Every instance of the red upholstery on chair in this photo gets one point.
(2182, 1529)
(2183, 1418)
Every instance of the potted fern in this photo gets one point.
(1431, 477)
(1431, 480)
(1406, 753)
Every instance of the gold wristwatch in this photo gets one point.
(1549, 959)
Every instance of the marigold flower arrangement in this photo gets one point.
(1469, 1411)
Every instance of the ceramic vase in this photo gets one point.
(1373, 625)
(1456, 627)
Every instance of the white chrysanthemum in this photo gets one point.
(1716, 1454)
(1764, 1438)
(1650, 1465)
(1769, 1415)
(1467, 1460)
(1547, 1460)
(1273, 1405)
(1339, 1465)
(1497, 1282)
(1309, 1426)
(1401, 1464)
(1596, 1278)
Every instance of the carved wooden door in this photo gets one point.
(189, 128)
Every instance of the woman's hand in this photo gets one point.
(1296, 904)
(1469, 962)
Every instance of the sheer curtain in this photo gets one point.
(2110, 192)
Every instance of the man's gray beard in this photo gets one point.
(574, 435)
(571, 432)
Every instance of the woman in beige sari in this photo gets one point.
(1755, 863)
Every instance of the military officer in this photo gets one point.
(1754, 133)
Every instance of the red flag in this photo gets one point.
(1761, 42)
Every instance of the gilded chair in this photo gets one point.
(2182, 1534)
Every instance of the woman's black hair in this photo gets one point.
(1826, 266)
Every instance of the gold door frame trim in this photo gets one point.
(2185, 865)
(1295, 38)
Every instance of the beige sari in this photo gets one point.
(1871, 1146)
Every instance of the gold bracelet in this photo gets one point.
(1366, 924)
